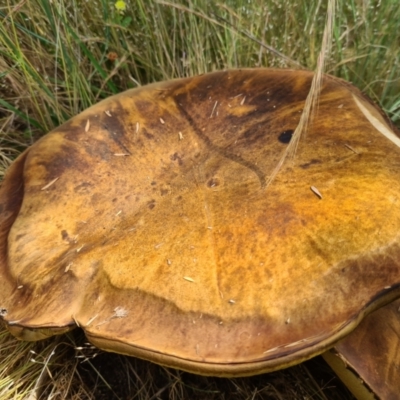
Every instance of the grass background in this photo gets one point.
(59, 57)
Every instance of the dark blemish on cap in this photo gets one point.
(312, 162)
(213, 182)
(176, 157)
(143, 106)
(151, 204)
(98, 149)
(82, 188)
(68, 159)
(147, 134)
(115, 126)
(20, 236)
(286, 136)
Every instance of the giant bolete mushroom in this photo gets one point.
(147, 221)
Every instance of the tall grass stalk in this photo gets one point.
(311, 102)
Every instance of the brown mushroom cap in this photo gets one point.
(368, 359)
(147, 220)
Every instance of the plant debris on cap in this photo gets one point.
(145, 252)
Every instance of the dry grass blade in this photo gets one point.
(311, 103)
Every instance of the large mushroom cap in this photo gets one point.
(368, 359)
(147, 221)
